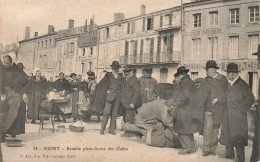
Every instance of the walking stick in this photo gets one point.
(256, 144)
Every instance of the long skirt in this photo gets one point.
(15, 117)
(34, 101)
(75, 99)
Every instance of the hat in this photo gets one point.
(232, 67)
(73, 74)
(115, 65)
(127, 70)
(211, 64)
(61, 73)
(148, 70)
(182, 70)
(91, 74)
(20, 65)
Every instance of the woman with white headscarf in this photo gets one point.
(36, 89)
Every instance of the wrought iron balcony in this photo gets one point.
(151, 58)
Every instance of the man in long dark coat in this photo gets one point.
(130, 95)
(210, 104)
(184, 102)
(106, 98)
(234, 131)
(36, 92)
(148, 86)
(15, 81)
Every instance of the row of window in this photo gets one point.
(234, 17)
(48, 43)
(67, 48)
(147, 24)
(253, 41)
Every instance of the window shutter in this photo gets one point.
(126, 48)
(151, 49)
(158, 49)
(128, 28)
(144, 24)
(152, 23)
(170, 19)
(161, 21)
(159, 46)
(133, 27)
(171, 45)
(135, 48)
(141, 50)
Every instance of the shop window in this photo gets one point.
(163, 75)
(194, 75)
(234, 16)
(233, 47)
(254, 14)
(197, 20)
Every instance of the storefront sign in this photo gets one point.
(204, 32)
(250, 65)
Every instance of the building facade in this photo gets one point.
(148, 40)
(74, 49)
(225, 31)
(39, 52)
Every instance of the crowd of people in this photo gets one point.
(164, 115)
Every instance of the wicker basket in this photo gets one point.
(76, 129)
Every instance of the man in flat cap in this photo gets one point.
(210, 104)
(234, 130)
(106, 98)
(148, 86)
(130, 95)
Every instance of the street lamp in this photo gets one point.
(256, 141)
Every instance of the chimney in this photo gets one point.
(27, 33)
(50, 29)
(91, 25)
(142, 9)
(71, 23)
(86, 25)
(36, 34)
(118, 17)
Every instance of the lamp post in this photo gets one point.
(256, 141)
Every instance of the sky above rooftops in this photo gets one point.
(15, 15)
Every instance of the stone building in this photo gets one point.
(148, 40)
(225, 31)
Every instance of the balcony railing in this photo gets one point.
(151, 58)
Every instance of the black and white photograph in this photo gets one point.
(129, 80)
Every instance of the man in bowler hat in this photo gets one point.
(106, 98)
(184, 103)
(209, 106)
(234, 130)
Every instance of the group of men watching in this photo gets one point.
(218, 101)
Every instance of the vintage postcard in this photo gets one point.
(129, 80)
